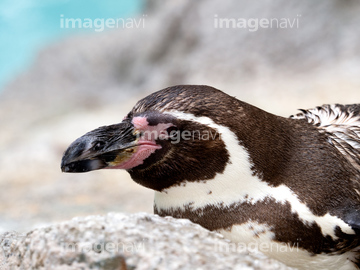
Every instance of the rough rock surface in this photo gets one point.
(117, 241)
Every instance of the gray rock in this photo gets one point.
(118, 241)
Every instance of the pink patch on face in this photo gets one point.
(140, 123)
(146, 143)
(150, 133)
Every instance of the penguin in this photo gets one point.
(288, 186)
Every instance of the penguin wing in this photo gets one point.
(341, 123)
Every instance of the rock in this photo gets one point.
(124, 242)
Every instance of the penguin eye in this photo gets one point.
(98, 145)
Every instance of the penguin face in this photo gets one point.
(156, 148)
(120, 146)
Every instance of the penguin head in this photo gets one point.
(161, 142)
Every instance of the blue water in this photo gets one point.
(26, 26)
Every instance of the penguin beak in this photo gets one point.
(104, 147)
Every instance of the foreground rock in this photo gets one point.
(119, 241)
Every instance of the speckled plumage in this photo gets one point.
(341, 123)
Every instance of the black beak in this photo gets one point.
(101, 148)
